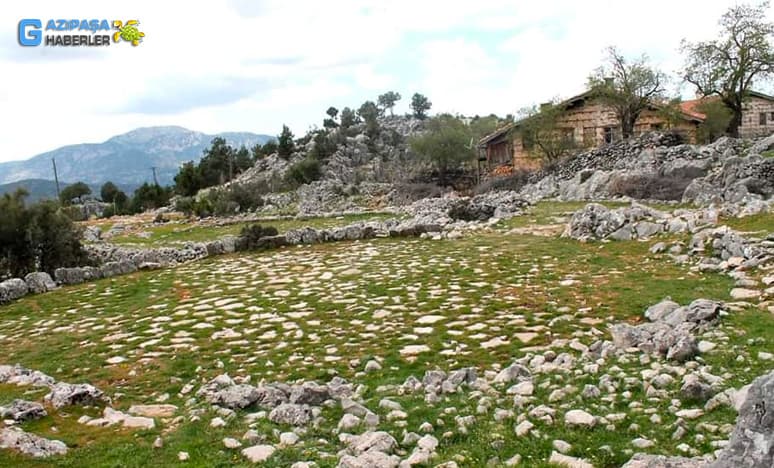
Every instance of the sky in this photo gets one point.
(241, 65)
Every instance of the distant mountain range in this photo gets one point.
(125, 159)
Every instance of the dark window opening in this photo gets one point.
(609, 134)
(762, 118)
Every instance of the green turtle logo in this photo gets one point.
(128, 32)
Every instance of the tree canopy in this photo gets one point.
(71, 192)
(420, 105)
(40, 237)
(627, 86)
(285, 143)
(542, 134)
(445, 144)
(729, 66)
(388, 100)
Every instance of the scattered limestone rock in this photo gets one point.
(579, 418)
(568, 461)
(29, 444)
(22, 410)
(292, 414)
(64, 394)
(258, 453)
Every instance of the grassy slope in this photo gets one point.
(508, 283)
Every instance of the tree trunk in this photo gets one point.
(627, 127)
(735, 123)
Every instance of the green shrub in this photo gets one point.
(515, 181)
(40, 237)
(73, 212)
(252, 233)
(303, 172)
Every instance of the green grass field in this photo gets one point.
(311, 312)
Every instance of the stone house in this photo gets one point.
(757, 114)
(589, 123)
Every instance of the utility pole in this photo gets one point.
(56, 178)
(155, 180)
(230, 166)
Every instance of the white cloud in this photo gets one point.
(245, 65)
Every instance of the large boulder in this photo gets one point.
(291, 414)
(22, 410)
(39, 282)
(752, 442)
(12, 289)
(642, 460)
(309, 393)
(235, 397)
(29, 444)
(64, 394)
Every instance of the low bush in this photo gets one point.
(251, 235)
(303, 172)
(514, 181)
(408, 193)
(651, 186)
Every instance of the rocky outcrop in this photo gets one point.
(671, 330)
(22, 410)
(752, 442)
(64, 394)
(722, 172)
(29, 444)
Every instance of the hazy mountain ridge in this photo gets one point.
(124, 159)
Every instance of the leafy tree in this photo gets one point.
(285, 144)
(420, 105)
(716, 120)
(483, 126)
(671, 112)
(109, 193)
(267, 149)
(242, 161)
(188, 180)
(54, 239)
(388, 100)
(71, 192)
(324, 145)
(729, 66)
(627, 86)
(40, 237)
(330, 122)
(541, 132)
(15, 254)
(348, 118)
(445, 144)
(370, 115)
(150, 196)
(216, 166)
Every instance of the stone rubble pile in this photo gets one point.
(721, 248)
(671, 329)
(595, 222)
(61, 395)
(498, 205)
(722, 172)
